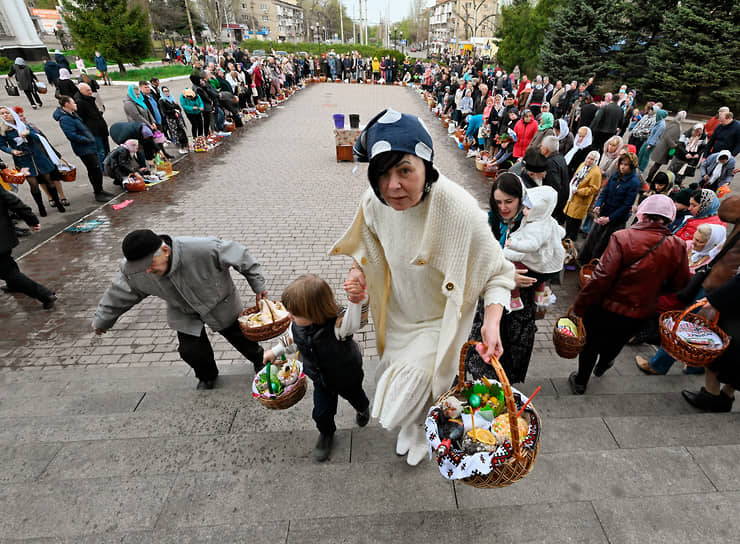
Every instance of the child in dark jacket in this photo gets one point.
(323, 335)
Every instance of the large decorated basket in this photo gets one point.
(492, 446)
(280, 385)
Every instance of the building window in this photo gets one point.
(244, 5)
(263, 7)
(265, 18)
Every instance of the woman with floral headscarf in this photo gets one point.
(703, 206)
(584, 186)
(623, 290)
(423, 254)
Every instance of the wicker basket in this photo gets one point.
(67, 171)
(490, 170)
(568, 347)
(522, 460)
(229, 126)
(11, 175)
(287, 399)
(678, 348)
(480, 161)
(586, 272)
(265, 332)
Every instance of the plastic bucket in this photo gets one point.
(339, 120)
(354, 120)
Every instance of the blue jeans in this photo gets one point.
(662, 363)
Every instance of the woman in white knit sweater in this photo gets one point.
(424, 253)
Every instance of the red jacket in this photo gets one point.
(524, 135)
(689, 228)
(633, 291)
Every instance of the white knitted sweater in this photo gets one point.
(456, 241)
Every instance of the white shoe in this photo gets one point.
(419, 447)
(403, 442)
(184, 152)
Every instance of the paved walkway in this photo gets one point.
(104, 439)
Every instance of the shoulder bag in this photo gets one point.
(11, 89)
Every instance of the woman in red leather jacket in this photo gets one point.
(638, 263)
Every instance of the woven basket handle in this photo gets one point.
(508, 395)
(688, 310)
(594, 262)
(570, 313)
(269, 307)
(64, 162)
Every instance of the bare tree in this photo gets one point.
(471, 18)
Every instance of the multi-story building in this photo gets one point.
(442, 23)
(279, 20)
(473, 22)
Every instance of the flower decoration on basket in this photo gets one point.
(484, 433)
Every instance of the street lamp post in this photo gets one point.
(403, 47)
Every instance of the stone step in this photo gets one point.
(669, 519)
(586, 476)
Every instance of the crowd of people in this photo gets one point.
(435, 269)
(220, 94)
(643, 189)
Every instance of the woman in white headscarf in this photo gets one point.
(581, 147)
(65, 85)
(565, 137)
(706, 243)
(30, 154)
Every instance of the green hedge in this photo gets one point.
(146, 74)
(318, 48)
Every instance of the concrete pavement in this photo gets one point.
(104, 439)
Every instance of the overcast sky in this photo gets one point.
(398, 9)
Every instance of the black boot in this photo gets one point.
(39, 202)
(323, 447)
(54, 194)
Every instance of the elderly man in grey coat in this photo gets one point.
(192, 276)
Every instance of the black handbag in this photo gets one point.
(11, 89)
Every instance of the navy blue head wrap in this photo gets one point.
(394, 131)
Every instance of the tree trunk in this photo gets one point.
(121, 67)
